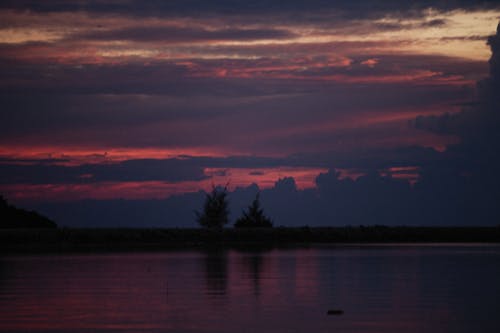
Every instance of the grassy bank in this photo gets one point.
(66, 239)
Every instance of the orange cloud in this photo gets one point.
(236, 177)
(370, 62)
(263, 177)
(74, 155)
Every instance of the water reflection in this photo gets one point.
(216, 272)
(252, 264)
(391, 290)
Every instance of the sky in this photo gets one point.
(339, 112)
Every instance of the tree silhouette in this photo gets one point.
(215, 209)
(254, 217)
(3, 203)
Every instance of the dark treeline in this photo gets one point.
(96, 240)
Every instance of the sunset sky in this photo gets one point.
(145, 100)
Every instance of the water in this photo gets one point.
(438, 288)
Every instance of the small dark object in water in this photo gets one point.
(335, 312)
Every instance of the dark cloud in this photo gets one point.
(157, 105)
(494, 43)
(434, 23)
(92, 78)
(256, 173)
(371, 199)
(478, 125)
(352, 9)
(405, 25)
(186, 168)
(52, 171)
(186, 34)
(366, 159)
(459, 38)
(49, 161)
(467, 177)
(177, 78)
(171, 170)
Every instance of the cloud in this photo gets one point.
(434, 23)
(370, 62)
(400, 24)
(494, 43)
(371, 199)
(182, 34)
(477, 126)
(468, 173)
(73, 179)
(197, 76)
(256, 173)
(357, 9)
(157, 105)
(170, 170)
(92, 78)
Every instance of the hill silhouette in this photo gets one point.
(13, 217)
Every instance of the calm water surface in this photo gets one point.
(427, 288)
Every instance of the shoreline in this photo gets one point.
(62, 240)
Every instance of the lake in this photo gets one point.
(380, 288)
